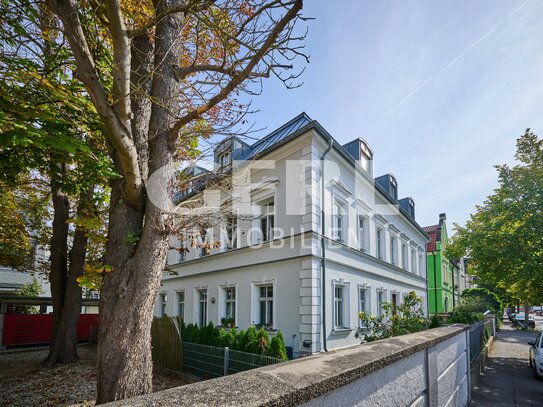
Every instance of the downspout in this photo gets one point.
(435, 283)
(453, 290)
(323, 250)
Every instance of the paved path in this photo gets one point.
(508, 379)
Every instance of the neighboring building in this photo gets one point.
(447, 278)
(274, 267)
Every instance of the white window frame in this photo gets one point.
(398, 296)
(422, 267)
(264, 213)
(414, 260)
(339, 219)
(183, 302)
(231, 229)
(270, 308)
(379, 242)
(366, 289)
(381, 292)
(224, 158)
(393, 249)
(197, 300)
(223, 300)
(405, 256)
(344, 303)
(363, 235)
(182, 253)
(163, 304)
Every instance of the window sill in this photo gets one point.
(339, 331)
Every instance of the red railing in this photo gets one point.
(28, 329)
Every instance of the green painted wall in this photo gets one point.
(440, 287)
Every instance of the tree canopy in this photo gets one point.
(504, 237)
(154, 78)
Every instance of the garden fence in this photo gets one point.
(215, 361)
(172, 353)
(479, 333)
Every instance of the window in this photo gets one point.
(265, 305)
(362, 227)
(393, 251)
(181, 304)
(445, 273)
(339, 312)
(182, 252)
(414, 261)
(224, 159)
(202, 308)
(421, 264)
(380, 236)
(230, 303)
(380, 302)
(363, 301)
(404, 256)
(204, 249)
(231, 233)
(338, 222)
(394, 301)
(163, 303)
(267, 220)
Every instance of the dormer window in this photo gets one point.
(393, 188)
(224, 159)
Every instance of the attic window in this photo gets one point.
(224, 159)
(393, 188)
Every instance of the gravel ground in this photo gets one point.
(23, 382)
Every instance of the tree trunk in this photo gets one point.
(59, 261)
(126, 305)
(63, 347)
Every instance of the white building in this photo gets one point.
(274, 266)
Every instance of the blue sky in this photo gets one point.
(440, 90)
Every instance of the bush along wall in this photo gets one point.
(250, 340)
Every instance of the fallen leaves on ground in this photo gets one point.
(24, 382)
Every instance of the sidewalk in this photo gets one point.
(508, 379)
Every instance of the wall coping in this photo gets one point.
(297, 381)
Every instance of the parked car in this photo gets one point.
(519, 321)
(536, 355)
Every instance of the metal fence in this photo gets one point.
(215, 361)
(479, 333)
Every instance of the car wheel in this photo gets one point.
(531, 364)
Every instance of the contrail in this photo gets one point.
(452, 62)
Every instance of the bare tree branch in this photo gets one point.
(238, 78)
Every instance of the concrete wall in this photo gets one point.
(427, 368)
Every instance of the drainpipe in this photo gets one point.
(453, 290)
(323, 249)
(435, 283)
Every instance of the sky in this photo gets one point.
(439, 89)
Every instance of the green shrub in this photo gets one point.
(397, 320)
(469, 311)
(435, 322)
(250, 340)
(277, 348)
(488, 298)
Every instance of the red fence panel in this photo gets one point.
(28, 329)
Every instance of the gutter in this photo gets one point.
(323, 247)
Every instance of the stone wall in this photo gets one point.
(426, 368)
